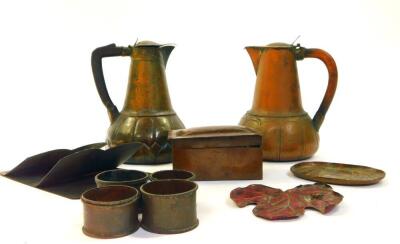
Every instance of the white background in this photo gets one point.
(48, 100)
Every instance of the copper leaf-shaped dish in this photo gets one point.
(275, 204)
(339, 174)
(252, 194)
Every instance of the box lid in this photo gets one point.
(215, 136)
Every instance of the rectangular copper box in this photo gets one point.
(218, 152)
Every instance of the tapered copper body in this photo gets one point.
(147, 115)
(277, 112)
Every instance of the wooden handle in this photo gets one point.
(107, 51)
(327, 59)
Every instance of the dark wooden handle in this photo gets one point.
(327, 59)
(97, 68)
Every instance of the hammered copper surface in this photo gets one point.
(110, 212)
(147, 114)
(275, 204)
(172, 174)
(336, 173)
(169, 206)
(133, 178)
(277, 113)
(218, 152)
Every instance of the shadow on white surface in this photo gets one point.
(141, 233)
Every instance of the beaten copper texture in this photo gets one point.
(218, 152)
(110, 211)
(147, 115)
(133, 178)
(277, 113)
(169, 206)
(275, 204)
(172, 174)
(339, 174)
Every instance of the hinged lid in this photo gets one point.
(150, 44)
(215, 137)
(274, 45)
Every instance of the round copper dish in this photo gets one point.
(338, 174)
(110, 212)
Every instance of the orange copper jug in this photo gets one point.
(147, 115)
(288, 131)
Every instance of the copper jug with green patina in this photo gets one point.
(147, 114)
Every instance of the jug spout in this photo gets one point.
(147, 92)
(277, 87)
(255, 54)
(165, 52)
